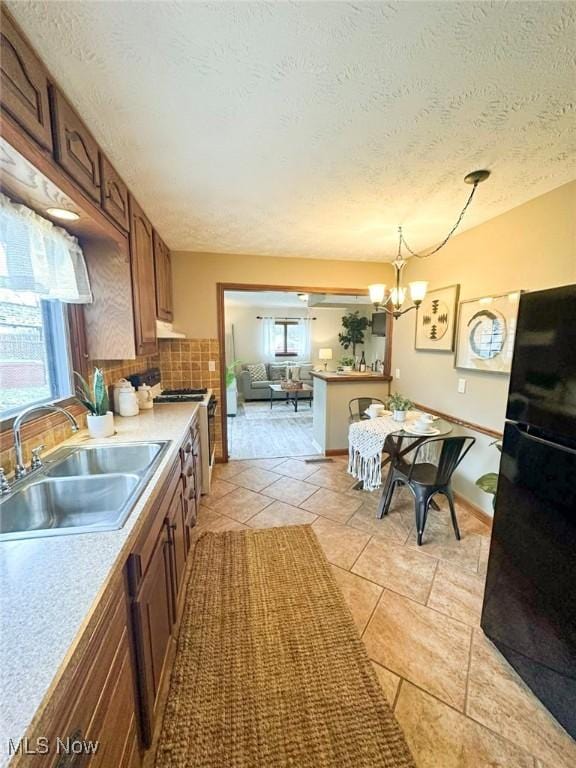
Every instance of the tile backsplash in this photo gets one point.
(183, 363)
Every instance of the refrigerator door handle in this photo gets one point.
(543, 441)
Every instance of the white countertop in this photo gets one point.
(49, 587)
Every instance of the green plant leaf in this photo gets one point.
(488, 482)
(100, 393)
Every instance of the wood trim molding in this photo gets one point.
(461, 422)
(344, 378)
(336, 452)
(221, 288)
(474, 509)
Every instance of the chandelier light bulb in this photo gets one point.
(418, 290)
(377, 292)
(397, 296)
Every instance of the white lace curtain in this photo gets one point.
(37, 256)
(305, 340)
(268, 338)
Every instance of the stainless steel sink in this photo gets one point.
(80, 503)
(106, 459)
(82, 489)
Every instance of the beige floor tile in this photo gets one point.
(398, 568)
(289, 490)
(457, 593)
(341, 544)
(227, 471)
(388, 681)
(484, 553)
(361, 596)
(295, 468)
(337, 479)
(219, 523)
(499, 699)
(439, 540)
(255, 479)
(279, 514)
(219, 488)
(421, 645)
(263, 463)
(241, 504)
(440, 737)
(393, 526)
(331, 504)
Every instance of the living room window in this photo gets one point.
(42, 270)
(288, 338)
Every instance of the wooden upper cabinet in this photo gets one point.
(143, 280)
(114, 194)
(74, 146)
(163, 271)
(24, 84)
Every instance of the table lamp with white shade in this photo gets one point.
(325, 354)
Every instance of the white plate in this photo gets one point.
(420, 432)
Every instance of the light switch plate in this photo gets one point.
(397, 376)
(211, 365)
(462, 386)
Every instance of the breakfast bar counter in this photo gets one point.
(332, 393)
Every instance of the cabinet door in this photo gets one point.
(179, 548)
(143, 282)
(114, 194)
(75, 148)
(152, 612)
(163, 269)
(24, 84)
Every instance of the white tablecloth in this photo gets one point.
(365, 445)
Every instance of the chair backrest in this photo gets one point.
(451, 454)
(358, 405)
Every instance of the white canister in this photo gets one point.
(145, 398)
(128, 403)
(100, 426)
(122, 385)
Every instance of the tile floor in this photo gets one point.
(417, 609)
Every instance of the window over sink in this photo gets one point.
(42, 269)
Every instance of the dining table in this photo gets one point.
(370, 438)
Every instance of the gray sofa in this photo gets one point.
(259, 390)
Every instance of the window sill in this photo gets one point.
(286, 354)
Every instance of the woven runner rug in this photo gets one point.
(270, 671)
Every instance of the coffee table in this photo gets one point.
(292, 395)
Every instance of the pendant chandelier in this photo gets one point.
(392, 301)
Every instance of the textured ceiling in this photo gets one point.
(315, 128)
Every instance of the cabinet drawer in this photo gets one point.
(114, 194)
(75, 148)
(24, 84)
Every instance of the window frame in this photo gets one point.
(285, 323)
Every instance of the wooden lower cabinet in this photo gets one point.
(97, 707)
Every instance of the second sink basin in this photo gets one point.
(81, 504)
(107, 459)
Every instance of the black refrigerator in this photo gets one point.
(529, 609)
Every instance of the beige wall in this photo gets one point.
(195, 276)
(530, 247)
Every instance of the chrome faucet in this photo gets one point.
(19, 420)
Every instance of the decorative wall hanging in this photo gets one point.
(485, 336)
(436, 320)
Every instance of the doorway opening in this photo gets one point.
(272, 340)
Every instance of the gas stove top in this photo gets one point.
(187, 395)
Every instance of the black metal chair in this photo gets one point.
(425, 480)
(358, 406)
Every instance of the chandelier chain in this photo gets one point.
(448, 236)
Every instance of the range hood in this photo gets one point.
(166, 331)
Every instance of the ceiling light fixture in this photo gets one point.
(63, 214)
(418, 288)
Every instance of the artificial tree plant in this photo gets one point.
(354, 325)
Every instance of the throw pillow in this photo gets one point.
(305, 371)
(257, 372)
(295, 372)
(277, 371)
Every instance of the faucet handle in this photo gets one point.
(4, 484)
(36, 461)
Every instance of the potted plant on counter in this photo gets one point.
(399, 405)
(347, 363)
(100, 419)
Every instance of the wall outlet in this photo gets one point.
(397, 374)
(461, 386)
(211, 365)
